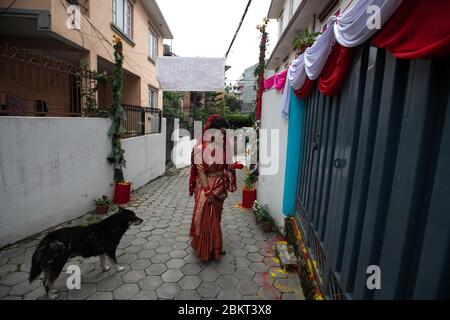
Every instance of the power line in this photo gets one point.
(238, 28)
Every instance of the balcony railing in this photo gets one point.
(141, 120)
(39, 86)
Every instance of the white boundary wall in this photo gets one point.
(145, 156)
(271, 187)
(51, 170)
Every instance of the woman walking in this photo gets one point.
(210, 181)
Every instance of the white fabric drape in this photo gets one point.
(316, 56)
(351, 28)
(286, 100)
(296, 77)
(296, 74)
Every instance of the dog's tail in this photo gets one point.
(36, 262)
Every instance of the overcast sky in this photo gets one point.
(204, 28)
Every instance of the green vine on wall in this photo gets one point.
(259, 71)
(88, 84)
(118, 116)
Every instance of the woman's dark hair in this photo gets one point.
(219, 123)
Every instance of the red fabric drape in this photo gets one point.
(268, 83)
(418, 29)
(335, 70)
(304, 91)
(280, 80)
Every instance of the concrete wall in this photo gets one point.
(181, 153)
(51, 170)
(182, 146)
(146, 157)
(271, 186)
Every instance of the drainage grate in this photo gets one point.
(334, 289)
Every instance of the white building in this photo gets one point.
(249, 88)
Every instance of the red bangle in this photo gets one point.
(237, 165)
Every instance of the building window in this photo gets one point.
(122, 16)
(152, 98)
(291, 8)
(153, 46)
(280, 24)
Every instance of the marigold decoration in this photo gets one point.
(116, 157)
(316, 294)
(259, 71)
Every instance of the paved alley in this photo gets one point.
(159, 262)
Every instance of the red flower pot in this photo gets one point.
(122, 193)
(101, 209)
(248, 197)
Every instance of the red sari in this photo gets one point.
(205, 229)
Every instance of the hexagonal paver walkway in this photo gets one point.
(159, 261)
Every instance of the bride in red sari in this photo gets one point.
(210, 182)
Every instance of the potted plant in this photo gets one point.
(263, 217)
(257, 211)
(249, 191)
(304, 40)
(102, 205)
(267, 221)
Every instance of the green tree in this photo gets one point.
(171, 105)
(233, 103)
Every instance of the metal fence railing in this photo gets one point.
(36, 85)
(141, 120)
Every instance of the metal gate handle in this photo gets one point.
(315, 144)
(340, 163)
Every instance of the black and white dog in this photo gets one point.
(99, 239)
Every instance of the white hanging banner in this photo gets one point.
(190, 74)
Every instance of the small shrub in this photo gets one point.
(261, 213)
(251, 177)
(104, 201)
(304, 40)
(237, 120)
